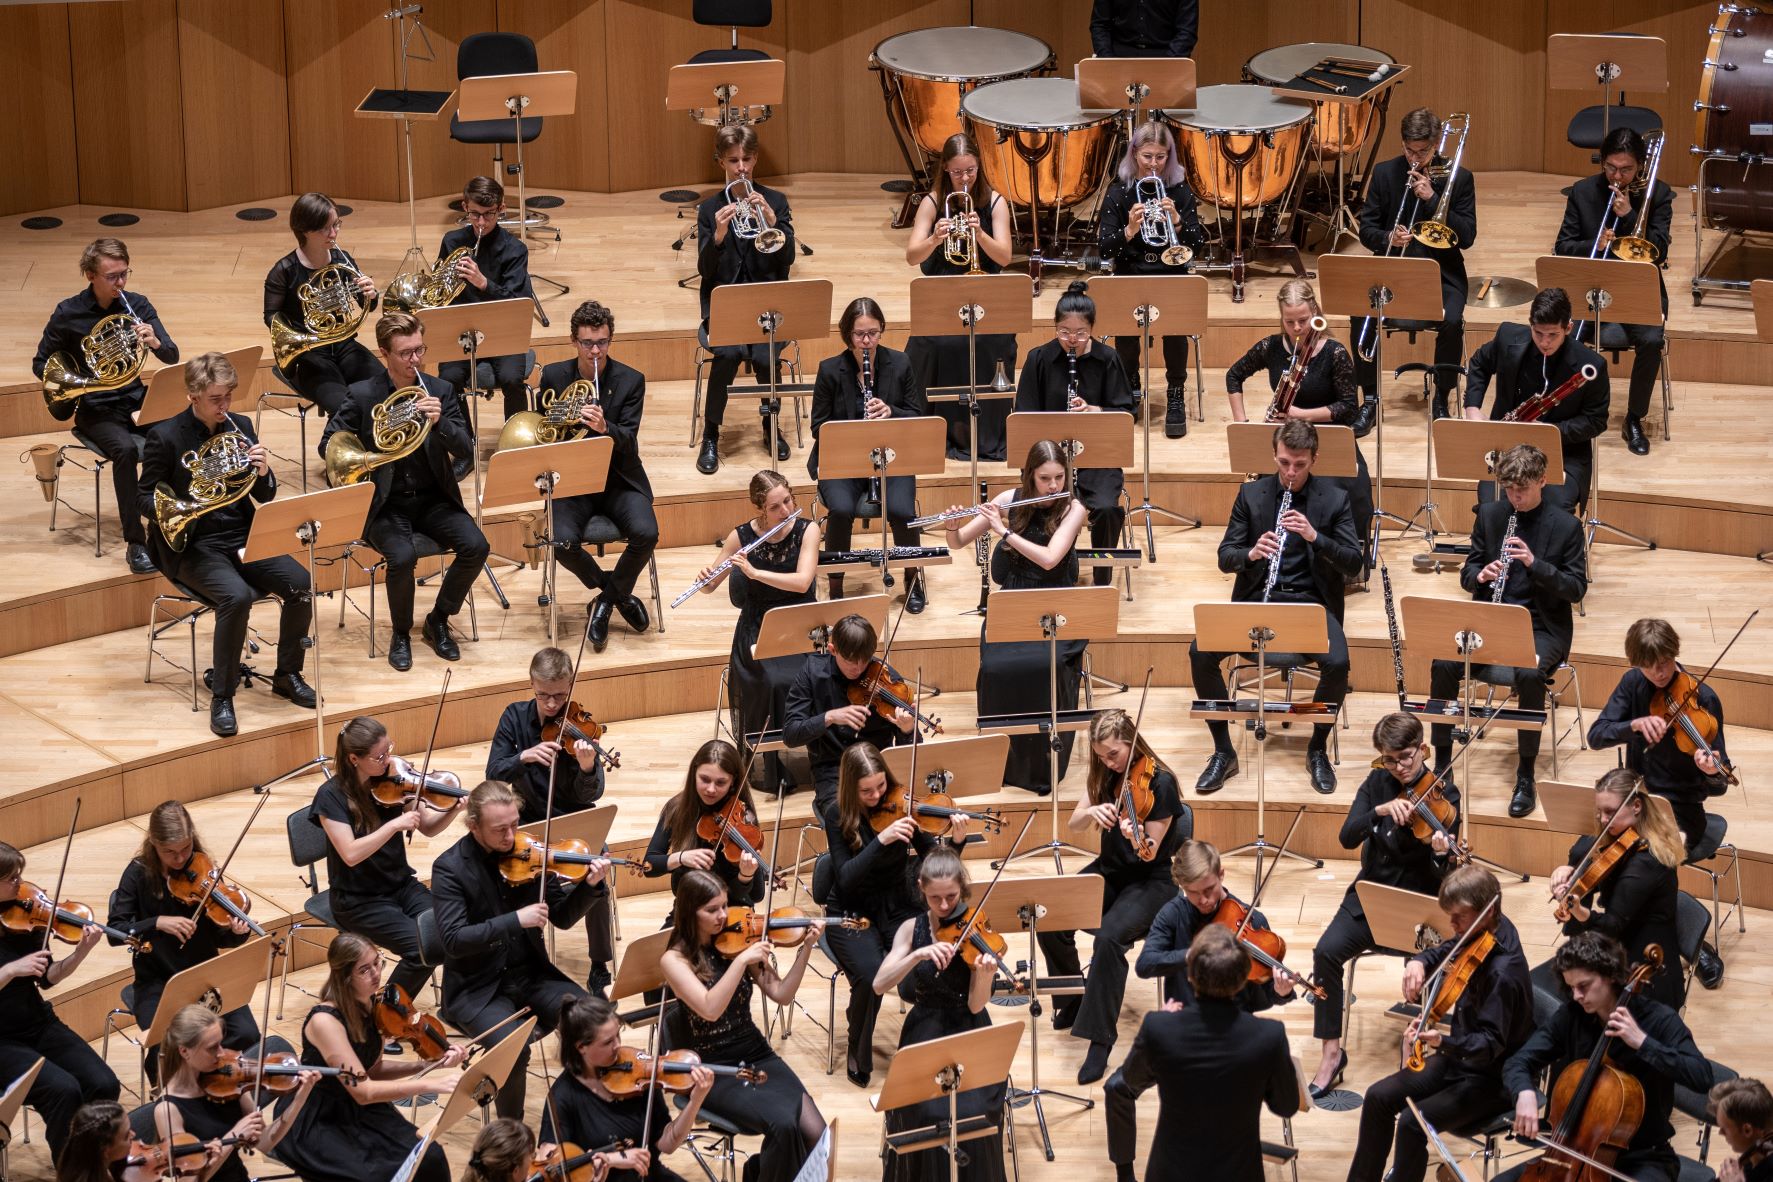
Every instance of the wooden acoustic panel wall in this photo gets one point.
(128, 114)
(37, 88)
(569, 35)
(335, 51)
(235, 101)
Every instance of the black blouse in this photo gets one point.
(591, 1122)
(659, 851)
(287, 275)
(1391, 855)
(135, 905)
(383, 872)
(1329, 375)
(1119, 863)
(937, 263)
(1136, 256)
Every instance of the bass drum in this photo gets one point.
(1341, 129)
(1735, 123)
(927, 72)
(1242, 146)
(1040, 148)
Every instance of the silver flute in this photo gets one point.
(726, 564)
(974, 510)
(1501, 584)
(1280, 543)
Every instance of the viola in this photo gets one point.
(787, 928)
(882, 690)
(632, 1071)
(575, 725)
(932, 812)
(570, 858)
(568, 1163)
(1602, 858)
(235, 1073)
(32, 911)
(439, 790)
(1266, 949)
(1135, 802)
(397, 1018)
(1454, 977)
(183, 1148)
(226, 903)
(1694, 727)
(732, 830)
(1431, 812)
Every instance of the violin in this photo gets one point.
(932, 812)
(731, 830)
(632, 1071)
(1135, 801)
(153, 1159)
(570, 858)
(882, 690)
(439, 790)
(575, 725)
(1456, 973)
(226, 903)
(1602, 857)
(981, 938)
(32, 911)
(568, 1163)
(1694, 727)
(1266, 949)
(1432, 813)
(397, 1018)
(787, 927)
(235, 1073)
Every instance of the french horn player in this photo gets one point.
(316, 298)
(202, 473)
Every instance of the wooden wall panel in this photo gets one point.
(127, 114)
(37, 85)
(1577, 16)
(440, 164)
(570, 35)
(236, 122)
(335, 49)
(1683, 26)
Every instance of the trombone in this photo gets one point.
(1157, 231)
(1634, 247)
(961, 247)
(748, 224)
(1432, 232)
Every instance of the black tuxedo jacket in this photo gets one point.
(622, 390)
(449, 439)
(1335, 555)
(1589, 201)
(837, 392)
(1578, 418)
(1385, 194)
(736, 260)
(168, 441)
(1558, 576)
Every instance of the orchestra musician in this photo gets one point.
(1320, 549)
(1326, 391)
(496, 268)
(947, 996)
(1401, 192)
(715, 778)
(1196, 869)
(495, 961)
(1134, 869)
(209, 562)
(1538, 361)
(627, 496)
(417, 494)
(776, 573)
(104, 417)
(1035, 548)
(1212, 1038)
(1379, 824)
(1075, 372)
(714, 1019)
(350, 1132)
(540, 769)
(1144, 28)
(942, 360)
(1743, 1110)
(840, 393)
(581, 1110)
(506, 1151)
(1546, 570)
(722, 257)
(1121, 238)
(1491, 1019)
(323, 374)
(1601, 209)
(72, 1073)
(822, 718)
(97, 1149)
(873, 867)
(1650, 1043)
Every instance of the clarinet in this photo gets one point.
(1071, 394)
(1397, 644)
(867, 380)
(1502, 575)
(1280, 543)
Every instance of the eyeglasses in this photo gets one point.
(1395, 761)
(1072, 334)
(960, 172)
(865, 334)
(115, 276)
(412, 354)
(595, 346)
(480, 215)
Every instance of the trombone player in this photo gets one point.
(496, 267)
(1626, 212)
(202, 472)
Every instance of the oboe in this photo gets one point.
(1397, 644)
(1280, 542)
(1502, 575)
(1072, 398)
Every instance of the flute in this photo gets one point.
(725, 564)
(975, 510)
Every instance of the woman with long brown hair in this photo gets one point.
(505, 1151)
(716, 776)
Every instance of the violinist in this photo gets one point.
(506, 1151)
(1196, 869)
(98, 1148)
(1630, 892)
(374, 890)
(522, 757)
(714, 1020)
(352, 1132)
(1649, 1044)
(495, 961)
(72, 1074)
(1381, 824)
(823, 714)
(1491, 1017)
(144, 905)
(875, 852)
(948, 995)
(584, 1112)
(1215, 1040)
(1743, 1110)
(1134, 867)
(713, 787)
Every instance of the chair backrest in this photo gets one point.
(822, 878)
(1545, 1005)
(307, 841)
(1692, 921)
(750, 14)
(430, 939)
(481, 54)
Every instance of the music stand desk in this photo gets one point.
(1461, 445)
(741, 313)
(576, 467)
(590, 826)
(915, 1072)
(1226, 627)
(334, 513)
(1104, 439)
(787, 631)
(1611, 291)
(166, 394)
(492, 328)
(1574, 61)
(1083, 613)
(1318, 93)
(975, 764)
(1394, 914)
(234, 974)
(1182, 300)
(1251, 448)
(388, 102)
(544, 92)
(492, 1067)
(639, 970)
(1135, 83)
(1063, 906)
(916, 447)
(1348, 283)
(1003, 304)
(1569, 808)
(1432, 625)
(697, 86)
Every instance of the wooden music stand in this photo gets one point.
(860, 449)
(518, 97)
(406, 105)
(166, 394)
(1465, 449)
(11, 1101)
(801, 628)
(577, 467)
(1578, 61)
(1251, 446)
(639, 973)
(224, 982)
(590, 826)
(762, 82)
(482, 1079)
(942, 1068)
(1135, 84)
(1394, 915)
(758, 313)
(1105, 438)
(1569, 808)
(969, 766)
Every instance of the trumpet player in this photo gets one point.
(323, 374)
(496, 267)
(1134, 242)
(416, 494)
(1618, 202)
(744, 238)
(208, 559)
(627, 496)
(1405, 191)
(866, 381)
(103, 417)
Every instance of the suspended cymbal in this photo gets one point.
(1499, 291)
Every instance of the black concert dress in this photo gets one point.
(759, 689)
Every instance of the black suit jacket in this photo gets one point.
(622, 390)
(1385, 194)
(1144, 28)
(736, 260)
(1589, 201)
(477, 920)
(1558, 576)
(837, 392)
(448, 440)
(1335, 555)
(168, 441)
(1578, 418)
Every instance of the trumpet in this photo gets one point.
(332, 310)
(961, 247)
(1634, 247)
(397, 429)
(221, 471)
(748, 224)
(556, 422)
(113, 353)
(975, 510)
(726, 564)
(1157, 231)
(1434, 232)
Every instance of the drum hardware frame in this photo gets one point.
(1703, 264)
(1063, 233)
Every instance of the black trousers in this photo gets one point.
(1127, 912)
(72, 1074)
(859, 955)
(842, 497)
(1449, 1101)
(632, 512)
(1106, 529)
(1347, 936)
(545, 997)
(115, 436)
(216, 573)
(508, 372)
(1529, 685)
(1175, 359)
(1449, 339)
(721, 372)
(323, 376)
(390, 531)
(1332, 685)
(390, 922)
(239, 1029)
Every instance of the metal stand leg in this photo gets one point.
(1056, 847)
(1034, 1093)
(1261, 846)
(1146, 314)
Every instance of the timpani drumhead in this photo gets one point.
(1247, 124)
(962, 53)
(1284, 63)
(1032, 104)
(1240, 108)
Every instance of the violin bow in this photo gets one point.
(1432, 987)
(1597, 845)
(1126, 773)
(911, 781)
(222, 870)
(886, 666)
(978, 909)
(55, 900)
(425, 768)
(1721, 655)
(1554, 1144)
(652, 1086)
(554, 771)
(1255, 899)
(769, 871)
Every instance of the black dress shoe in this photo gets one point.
(857, 1076)
(708, 459)
(1220, 767)
(293, 687)
(221, 718)
(782, 452)
(1065, 1011)
(1366, 417)
(598, 625)
(1095, 1064)
(1176, 413)
(1635, 440)
(914, 599)
(1521, 803)
(634, 612)
(1323, 776)
(140, 561)
(1440, 406)
(1708, 966)
(437, 635)
(1316, 1092)
(400, 651)
(461, 468)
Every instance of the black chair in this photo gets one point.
(601, 531)
(734, 14)
(1590, 125)
(88, 458)
(1697, 1105)
(307, 850)
(120, 1018)
(425, 547)
(481, 55)
(194, 607)
(1692, 921)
